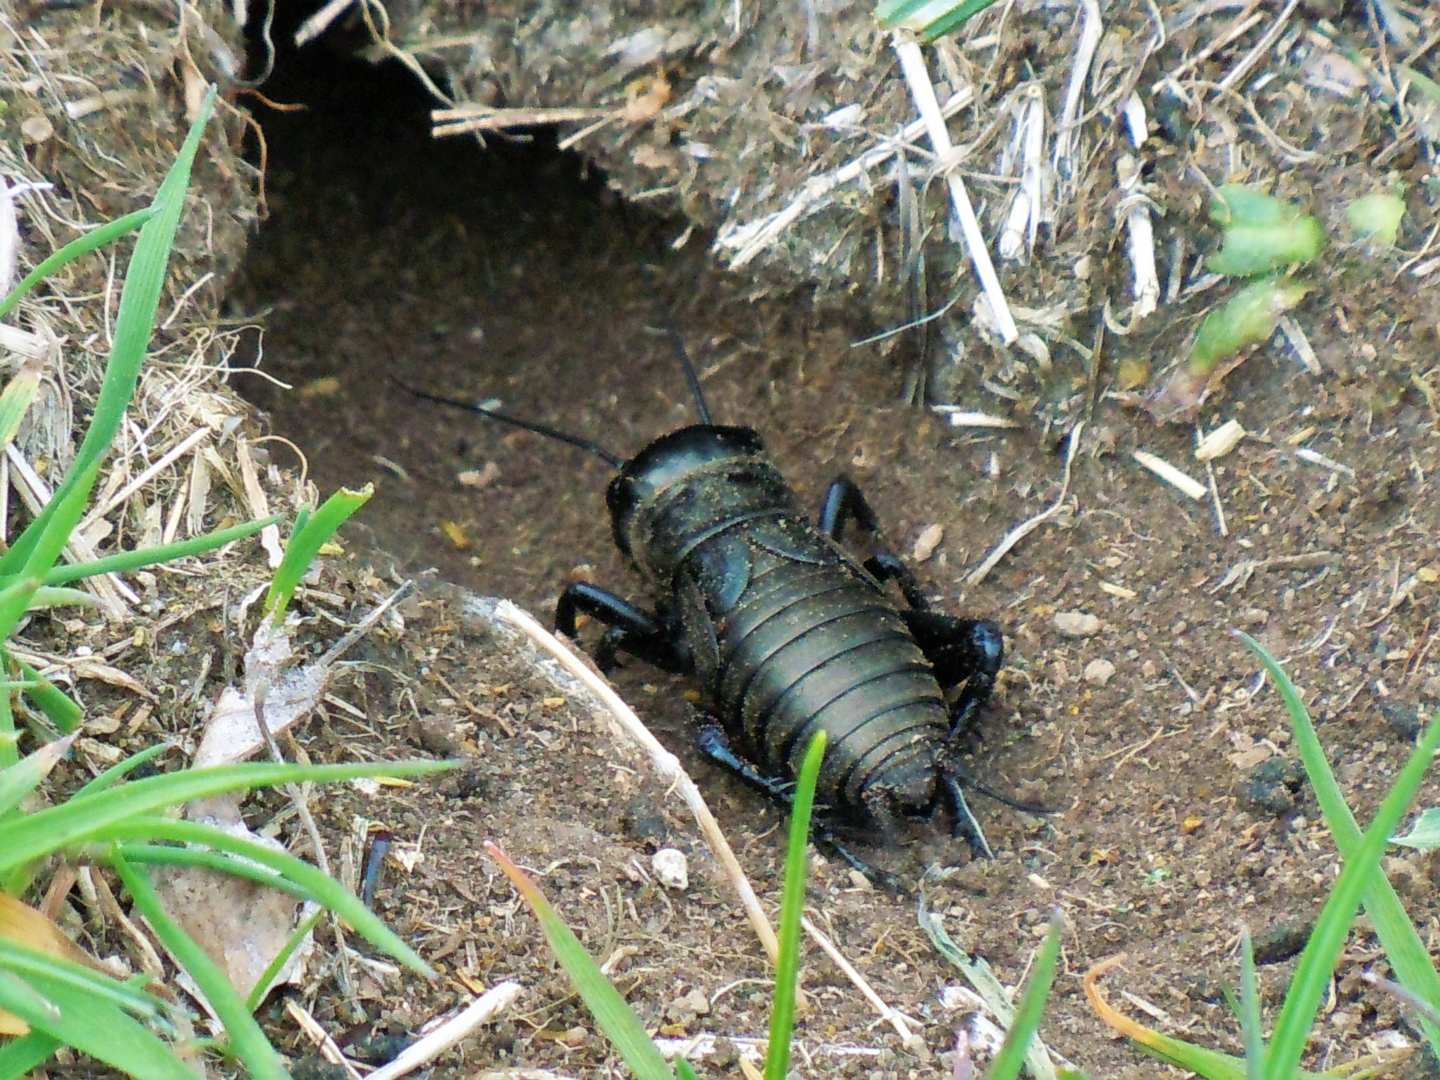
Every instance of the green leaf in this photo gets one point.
(134, 322)
(78, 819)
(18, 780)
(1247, 318)
(1377, 217)
(1010, 1058)
(312, 531)
(91, 1025)
(34, 964)
(1403, 946)
(93, 240)
(1247, 207)
(615, 1017)
(1250, 1021)
(247, 1041)
(792, 906)
(59, 708)
(125, 561)
(1424, 835)
(928, 19)
(317, 885)
(16, 399)
(121, 769)
(19, 1056)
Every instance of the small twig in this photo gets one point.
(319, 1037)
(1135, 207)
(890, 1015)
(665, 763)
(1025, 528)
(449, 1032)
(1170, 474)
(1091, 28)
(319, 22)
(912, 64)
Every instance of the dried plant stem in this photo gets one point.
(447, 1034)
(917, 76)
(666, 763)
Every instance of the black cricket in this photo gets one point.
(786, 632)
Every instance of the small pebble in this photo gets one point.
(1099, 672)
(671, 868)
(1077, 624)
(928, 541)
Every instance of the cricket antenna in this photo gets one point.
(690, 377)
(613, 460)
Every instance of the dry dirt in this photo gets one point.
(510, 274)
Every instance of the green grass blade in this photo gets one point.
(953, 20)
(792, 906)
(31, 963)
(272, 970)
(134, 322)
(59, 707)
(76, 1018)
(311, 533)
(50, 597)
(684, 1071)
(1250, 1022)
(78, 819)
(614, 1015)
(1312, 973)
(93, 240)
(125, 561)
(163, 855)
(19, 1056)
(16, 399)
(319, 886)
(121, 769)
(1407, 953)
(14, 602)
(1011, 1057)
(247, 1041)
(18, 780)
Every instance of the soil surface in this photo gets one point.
(506, 272)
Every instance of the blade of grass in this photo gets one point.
(125, 561)
(792, 906)
(93, 240)
(18, 780)
(16, 399)
(104, 1032)
(1317, 961)
(80, 818)
(19, 1056)
(1250, 1022)
(59, 708)
(31, 963)
(311, 533)
(1403, 946)
(281, 958)
(614, 1015)
(121, 769)
(1010, 1059)
(134, 321)
(219, 861)
(9, 738)
(318, 885)
(247, 1041)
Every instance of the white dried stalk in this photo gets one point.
(318, 23)
(1301, 344)
(1136, 209)
(917, 77)
(1067, 131)
(959, 417)
(1220, 441)
(1170, 474)
(666, 763)
(751, 238)
(430, 1046)
(1028, 204)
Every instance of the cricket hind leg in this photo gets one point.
(713, 742)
